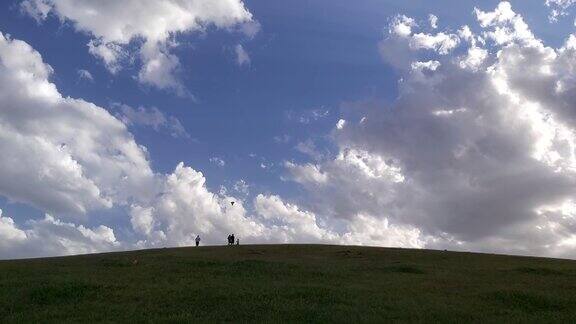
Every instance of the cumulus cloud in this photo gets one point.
(151, 117)
(51, 237)
(290, 223)
(9, 232)
(504, 26)
(477, 152)
(307, 173)
(375, 231)
(401, 41)
(440, 42)
(187, 208)
(65, 155)
(116, 27)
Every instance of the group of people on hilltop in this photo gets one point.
(231, 240)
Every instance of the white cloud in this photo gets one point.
(66, 155)
(51, 237)
(250, 29)
(113, 55)
(159, 68)
(9, 233)
(401, 41)
(402, 26)
(375, 231)
(428, 65)
(113, 25)
(85, 75)
(290, 223)
(433, 21)
(307, 173)
(218, 161)
(242, 57)
(475, 58)
(265, 166)
(142, 219)
(309, 148)
(186, 208)
(505, 26)
(37, 9)
(441, 42)
(242, 188)
(151, 117)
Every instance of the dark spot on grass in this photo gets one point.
(349, 254)
(404, 269)
(255, 268)
(524, 301)
(539, 271)
(251, 265)
(60, 293)
(315, 295)
(114, 263)
(259, 266)
(198, 263)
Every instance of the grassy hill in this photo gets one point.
(311, 283)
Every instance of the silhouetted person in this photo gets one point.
(237, 241)
(232, 240)
(229, 239)
(197, 240)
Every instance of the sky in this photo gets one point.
(430, 124)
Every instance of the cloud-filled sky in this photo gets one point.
(136, 123)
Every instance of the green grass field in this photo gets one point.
(294, 283)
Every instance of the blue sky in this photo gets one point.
(309, 55)
(308, 62)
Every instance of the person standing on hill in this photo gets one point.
(197, 240)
